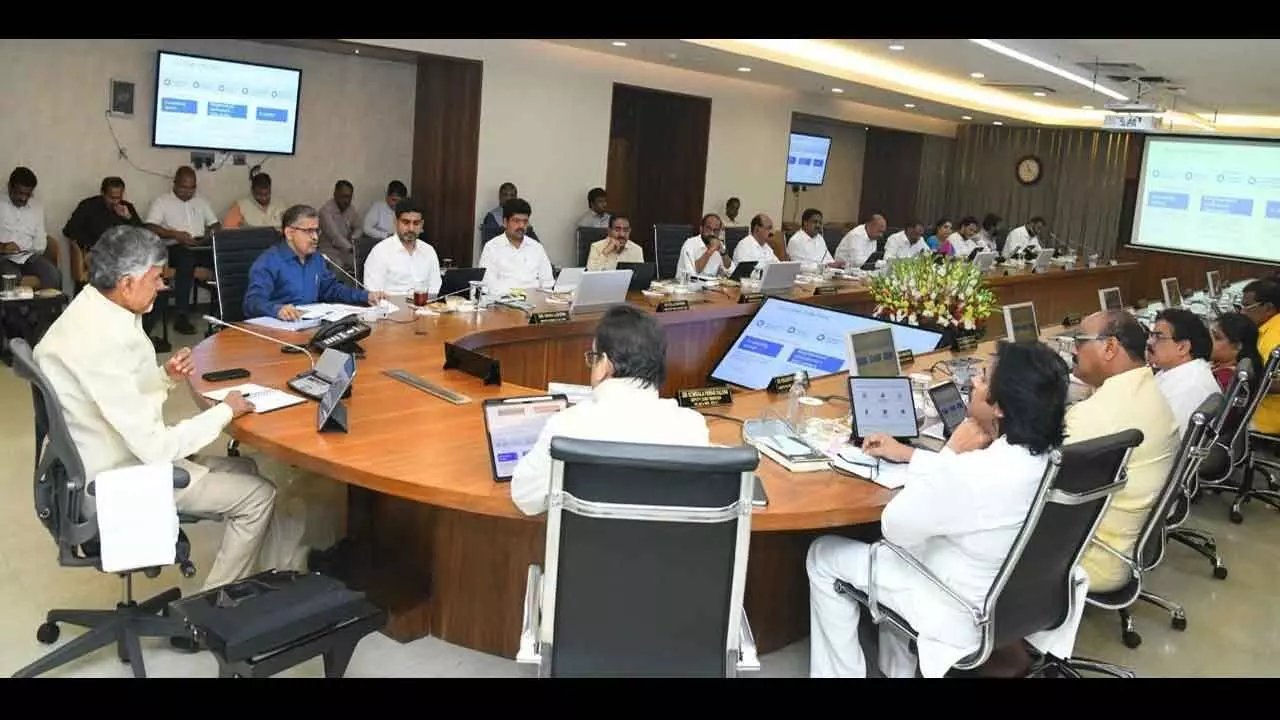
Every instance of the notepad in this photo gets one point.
(263, 399)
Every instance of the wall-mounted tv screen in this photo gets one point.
(807, 159)
(210, 104)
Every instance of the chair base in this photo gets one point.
(123, 626)
(1054, 667)
(1203, 543)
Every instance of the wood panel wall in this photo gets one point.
(891, 175)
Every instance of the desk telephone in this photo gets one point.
(341, 335)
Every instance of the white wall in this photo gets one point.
(841, 191)
(355, 122)
(545, 115)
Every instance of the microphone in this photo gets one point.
(215, 321)
(344, 272)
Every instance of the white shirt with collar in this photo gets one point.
(393, 270)
(751, 250)
(808, 249)
(693, 249)
(171, 212)
(22, 226)
(379, 221)
(855, 247)
(1019, 239)
(1185, 387)
(508, 267)
(590, 219)
(900, 246)
(960, 247)
(619, 409)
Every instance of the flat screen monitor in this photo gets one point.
(785, 336)
(212, 104)
(1172, 293)
(807, 157)
(1109, 299)
(1020, 324)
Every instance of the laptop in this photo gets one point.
(985, 261)
(458, 280)
(779, 277)
(642, 274)
(600, 290)
(512, 426)
(952, 410)
(568, 279)
(882, 405)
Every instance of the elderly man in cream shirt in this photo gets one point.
(1110, 355)
(103, 369)
(617, 247)
(755, 246)
(859, 243)
(628, 365)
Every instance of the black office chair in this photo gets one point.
(1254, 462)
(583, 238)
(360, 254)
(234, 252)
(1035, 589)
(733, 236)
(603, 608)
(667, 241)
(1148, 550)
(61, 489)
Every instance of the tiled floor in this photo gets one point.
(1233, 624)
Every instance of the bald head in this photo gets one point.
(876, 226)
(1111, 343)
(761, 228)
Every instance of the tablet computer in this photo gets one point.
(882, 405)
(512, 426)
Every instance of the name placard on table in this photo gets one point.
(966, 343)
(673, 305)
(704, 397)
(548, 316)
(753, 297)
(781, 384)
(906, 357)
(825, 290)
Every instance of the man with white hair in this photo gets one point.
(103, 369)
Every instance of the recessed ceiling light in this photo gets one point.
(619, 43)
(744, 68)
(897, 46)
(1040, 93)
(837, 90)
(966, 117)
(357, 51)
(1086, 107)
(908, 105)
(997, 122)
(976, 76)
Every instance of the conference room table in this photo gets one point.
(438, 543)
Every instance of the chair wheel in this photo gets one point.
(48, 633)
(1179, 623)
(152, 572)
(1220, 572)
(1236, 517)
(187, 569)
(1132, 639)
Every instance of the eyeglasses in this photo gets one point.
(1082, 339)
(315, 231)
(592, 357)
(1156, 336)
(1247, 308)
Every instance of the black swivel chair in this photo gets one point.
(1255, 462)
(733, 236)
(1148, 550)
(583, 238)
(234, 252)
(360, 254)
(605, 609)
(1034, 590)
(60, 492)
(667, 241)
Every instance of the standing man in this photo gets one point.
(755, 246)
(22, 235)
(340, 225)
(380, 220)
(858, 245)
(99, 213)
(704, 254)
(607, 253)
(597, 215)
(257, 210)
(402, 264)
(182, 219)
(807, 244)
(512, 260)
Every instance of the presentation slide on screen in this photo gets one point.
(786, 337)
(513, 430)
(883, 405)
(223, 105)
(807, 159)
(1210, 196)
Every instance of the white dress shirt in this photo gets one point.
(693, 249)
(379, 221)
(507, 266)
(900, 246)
(855, 247)
(171, 212)
(1185, 387)
(590, 219)
(960, 247)
(621, 410)
(806, 249)
(22, 226)
(1019, 239)
(751, 250)
(393, 270)
(103, 369)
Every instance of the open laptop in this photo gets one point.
(1109, 299)
(882, 405)
(642, 274)
(952, 410)
(743, 269)
(985, 261)
(598, 291)
(568, 279)
(458, 280)
(512, 426)
(779, 277)
(1020, 324)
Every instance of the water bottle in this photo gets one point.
(795, 409)
(682, 278)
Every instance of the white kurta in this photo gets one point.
(855, 247)
(900, 246)
(1185, 387)
(751, 250)
(806, 249)
(1019, 239)
(507, 267)
(693, 249)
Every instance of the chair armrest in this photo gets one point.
(748, 658)
(979, 619)
(181, 478)
(1129, 563)
(530, 651)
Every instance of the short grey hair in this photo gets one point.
(122, 251)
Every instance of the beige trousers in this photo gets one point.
(232, 491)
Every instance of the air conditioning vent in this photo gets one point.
(1126, 70)
(1020, 88)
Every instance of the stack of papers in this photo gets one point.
(263, 399)
(278, 324)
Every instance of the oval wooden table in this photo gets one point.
(440, 545)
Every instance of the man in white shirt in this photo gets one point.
(961, 241)
(402, 264)
(491, 223)
(380, 219)
(807, 245)
(607, 253)
(907, 242)
(704, 254)
(731, 208)
(103, 369)
(1024, 237)
(597, 216)
(986, 237)
(182, 219)
(859, 243)
(755, 246)
(512, 260)
(1179, 348)
(628, 366)
(22, 235)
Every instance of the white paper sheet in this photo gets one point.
(137, 517)
(263, 399)
(278, 324)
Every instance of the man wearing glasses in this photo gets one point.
(291, 273)
(1110, 355)
(1180, 347)
(1260, 302)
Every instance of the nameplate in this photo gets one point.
(754, 297)
(781, 384)
(704, 397)
(966, 343)
(549, 316)
(906, 357)
(1071, 319)
(673, 305)
(825, 290)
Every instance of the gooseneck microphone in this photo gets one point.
(215, 321)
(344, 272)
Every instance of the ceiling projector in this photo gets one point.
(1134, 107)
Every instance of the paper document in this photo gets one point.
(137, 518)
(263, 399)
(573, 393)
(333, 312)
(278, 324)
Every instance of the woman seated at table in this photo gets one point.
(1234, 337)
(958, 514)
(937, 242)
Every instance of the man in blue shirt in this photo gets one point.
(291, 273)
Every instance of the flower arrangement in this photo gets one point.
(947, 295)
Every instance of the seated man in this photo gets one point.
(958, 515)
(512, 260)
(290, 273)
(1180, 347)
(807, 244)
(607, 253)
(597, 215)
(907, 242)
(491, 224)
(22, 235)
(755, 246)
(1110, 355)
(1260, 302)
(380, 221)
(103, 370)
(182, 219)
(860, 243)
(402, 264)
(257, 210)
(340, 225)
(99, 213)
(703, 254)
(1024, 237)
(628, 366)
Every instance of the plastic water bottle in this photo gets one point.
(795, 409)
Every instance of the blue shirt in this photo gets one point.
(278, 278)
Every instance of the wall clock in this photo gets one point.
(1029, 170)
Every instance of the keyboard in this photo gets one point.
(428, 387)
